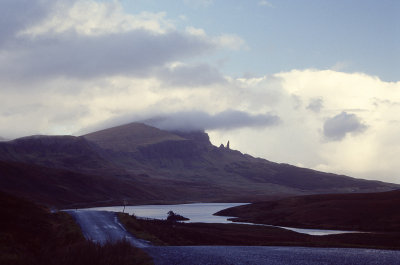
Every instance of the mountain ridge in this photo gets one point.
(171, 166)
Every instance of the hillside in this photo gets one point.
(359, 212)
(31, 234)
(196, 160)
(59, 187)
(68, 189)
(143, 164)
(66, 152)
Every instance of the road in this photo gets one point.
(102, 226)
(240, 255)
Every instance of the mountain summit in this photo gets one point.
(126, 138)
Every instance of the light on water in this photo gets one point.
(196, 212)
(199, 213)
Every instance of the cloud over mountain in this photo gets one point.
(226, 120)
(66, 65)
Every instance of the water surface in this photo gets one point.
(196, 212)
(201, 213)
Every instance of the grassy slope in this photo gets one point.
(66, 152)
(167, 233)
(362, 212)
(68, 189)
(64, 188)
(30, 234)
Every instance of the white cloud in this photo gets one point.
(229, 41)
(88, 17)
(367, 100)
(196, 31)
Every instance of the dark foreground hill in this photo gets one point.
(69, 189)
(356, 212)
(31, 234)
(142, 164)
(64, 188)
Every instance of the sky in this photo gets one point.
(310, 83)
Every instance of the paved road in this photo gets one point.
(102, 226)
(216, 255)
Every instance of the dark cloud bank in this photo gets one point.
(187, 121)
(198, 120)
(131, 53)
(137, 52)
(337, 127)
(15, 15)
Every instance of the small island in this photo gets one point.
(174, 217)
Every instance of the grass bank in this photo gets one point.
(161, 232)
(30, 234)
(368, 212)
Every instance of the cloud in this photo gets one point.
(337, 127)
(18, 14)
(193, 75)
(95, 18)
(230, 41)
(371, 116)
(340, 66)
(316, 104)
(132, 53)
(226, 120)
(88, 39)
(66, 65)
(190, 120)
